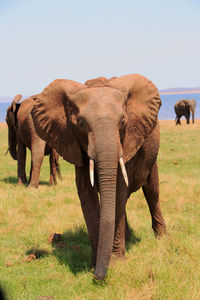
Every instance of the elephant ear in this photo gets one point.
(15, 101)
(12, 110)
(34, 97)
(141, 105)
(52, 114)
(97, 82)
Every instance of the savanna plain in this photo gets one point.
(31, 267)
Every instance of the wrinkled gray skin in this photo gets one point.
(183, 107)
(22, 135)
(102, 121)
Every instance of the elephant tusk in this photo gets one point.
(123, 170)
(92, 172)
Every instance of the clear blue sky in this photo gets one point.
(41, 40)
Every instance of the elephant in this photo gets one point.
(109, 130)
(22, 135)
(183, 107)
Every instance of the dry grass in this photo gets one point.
(153, 269)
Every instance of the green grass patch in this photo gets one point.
(153, 269)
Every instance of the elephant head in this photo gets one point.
(12, 122)
(102, 121)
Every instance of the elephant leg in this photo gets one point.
(127, 229)
(121, 225)
(119, 238)
(90, 206)
(37, 155)
(187, 116)
(53, 162)
(178, 121)
(151, 193)
(192, 117)
(21, 162)
(30, 172)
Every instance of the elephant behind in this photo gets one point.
(22, 135)
(183, 107)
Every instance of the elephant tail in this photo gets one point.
(59, 172)
(7, 151)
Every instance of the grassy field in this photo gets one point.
(153, 269)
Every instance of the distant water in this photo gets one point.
(166, 111)
(3, 110)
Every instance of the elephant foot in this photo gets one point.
(52, 182)
(33, 185)
(22, 182)
(160, 231)
(92, 265)
(94, 258)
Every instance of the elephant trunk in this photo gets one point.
(107, 156)
(12, 142)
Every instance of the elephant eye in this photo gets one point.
(122, 123)
(82, 124)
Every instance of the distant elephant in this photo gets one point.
(22, 134)
(100, 127)
(183, 108)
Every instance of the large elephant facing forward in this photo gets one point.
(183, 107)
(22, 134)
(108, 129)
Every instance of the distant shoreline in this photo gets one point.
(161, 93)
(183, 92)
(170, 121)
